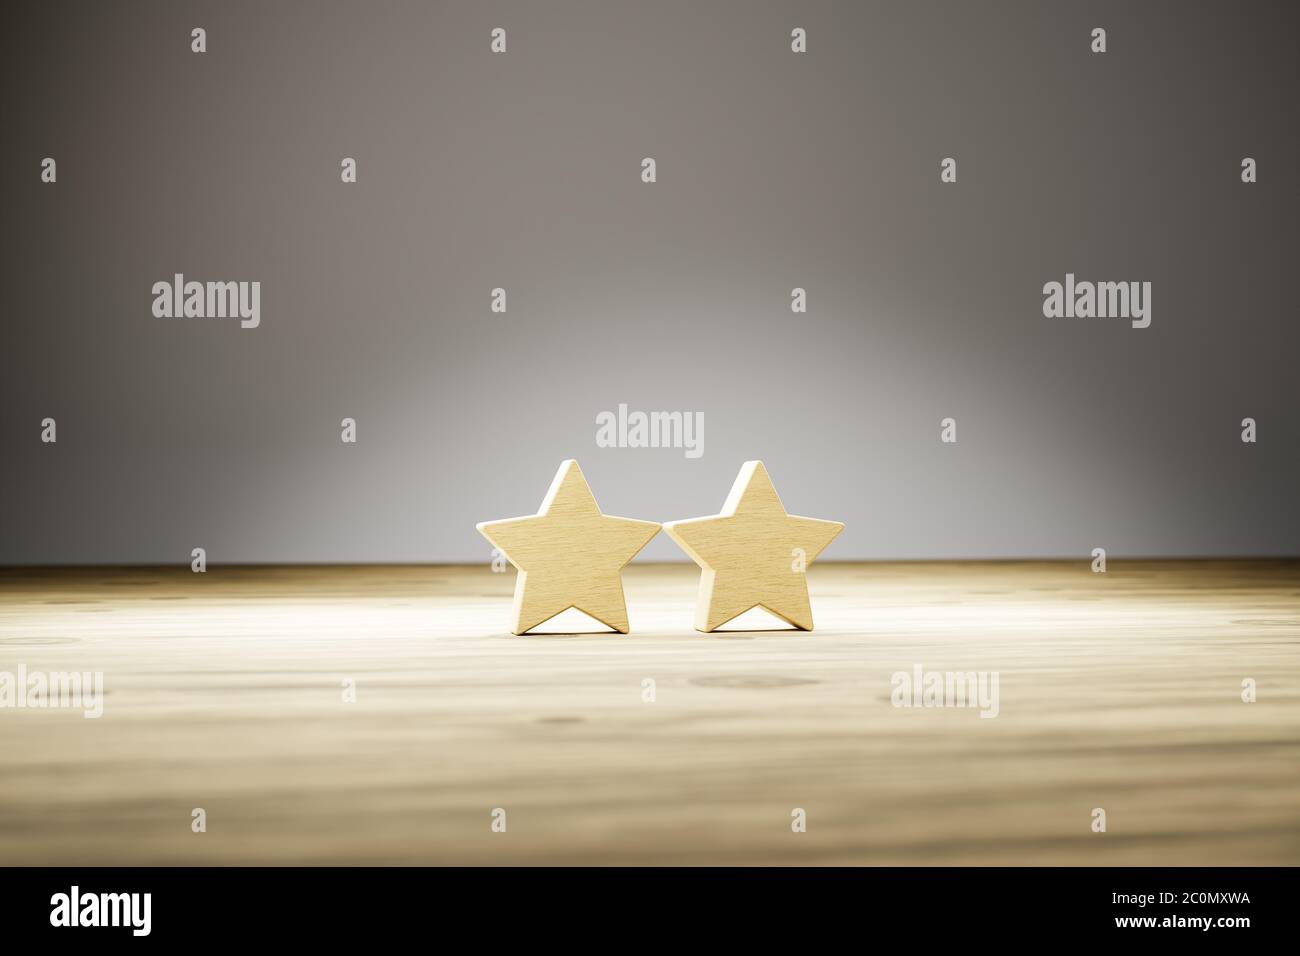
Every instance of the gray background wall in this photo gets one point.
(522, 170)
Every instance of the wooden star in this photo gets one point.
(753, 554)
(569, 554)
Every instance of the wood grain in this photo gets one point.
(1119, 690)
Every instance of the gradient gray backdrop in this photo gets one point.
(523, 171)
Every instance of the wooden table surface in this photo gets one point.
(223, 691)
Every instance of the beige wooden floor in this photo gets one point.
(1120, 691)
